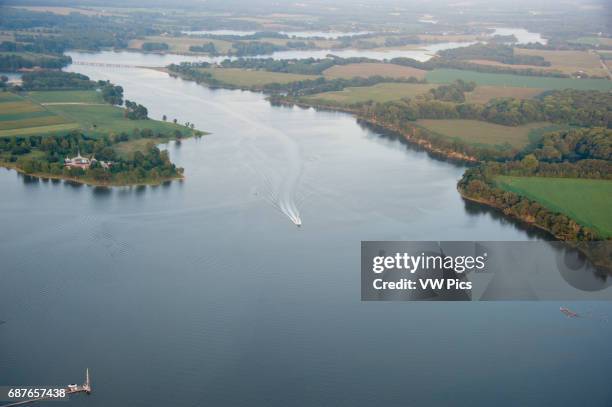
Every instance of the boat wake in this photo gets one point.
(279, 174)
(279, 171)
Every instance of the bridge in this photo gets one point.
(105, 64)
(70, 389)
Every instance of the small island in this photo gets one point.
(65, 126)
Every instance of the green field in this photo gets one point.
(126, 148)
(40, 131)
(66, 96)
(19, 116)
(250, 78)
(521, 81)
(585, 200)
(594, 41)
(8, 97)
(55, 112)
(105, 119)
(489, 134)
(382, 92)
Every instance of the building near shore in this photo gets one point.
(84, 162)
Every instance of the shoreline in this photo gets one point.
(524, 221)
(93, 183)
(410, 138)
(574, 244)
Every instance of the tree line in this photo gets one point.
(152, 165)
(440, 63)
(60, 80)
(13, 62)
(193, 71)
(493, 52)
(575, 107)
(304, 66)
(582, 153)
(454, 92)
(154, 46)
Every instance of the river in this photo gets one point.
(522, 35)
(204, 292)
(328, 35)
(422, 53)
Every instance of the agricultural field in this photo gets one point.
(483, 94)
(368, 69)
(483, 133)
(520, 81)
(252, 78)
(381, 92)
(180, 45)
(66, 96)
(52, 112)
(568, 62)
(595, 41)
(19, 116)
(585, 200)
(107, 119)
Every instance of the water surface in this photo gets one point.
(203, 292)
(156, 60)
(522, 35)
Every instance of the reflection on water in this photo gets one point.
(478, 210)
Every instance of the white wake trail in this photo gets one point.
(284, 197)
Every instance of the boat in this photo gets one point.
(568, 313)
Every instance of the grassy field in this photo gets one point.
(367, 69)
(25, 116)
(483, 94)
(126, 148)
(483, 133)
(248, 78)
(585, 200)
(605, 55)
(520, 81)
(105, 119)
(568, 62)
(19, 116)
(381, 92)
(66, 96)
(595, 41)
